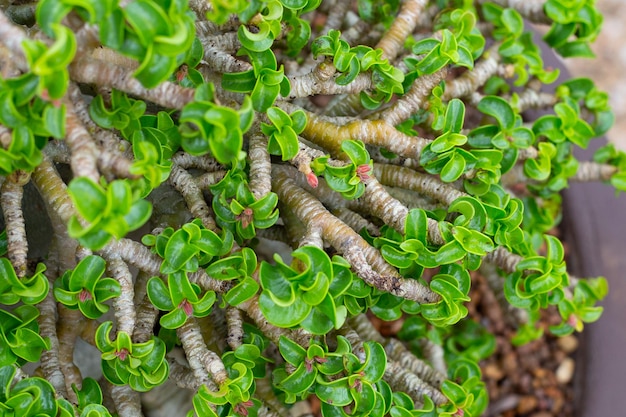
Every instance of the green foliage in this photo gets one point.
(264, 82)
(517, 46)
(140, 365)
(180, 298)
(386, 79)
(84, 288)
(27, 290)
(90, 399)
(20, 341)
(236, 208)
(346, 179)
(283, 132)
(208, 127)
(239, 267)
(234, 396)
(306, 293)
(157, 34)
(189, 247)
(461, 42)
(109, 210)
(579, 19)
(32, 118)
(30, 397)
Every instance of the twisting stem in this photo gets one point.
(94, 71)
(50, 364)
(413, 100)
(124, 305)
(127, 401)
(11, 194)
(372, 267)
(81, 145)
(402, 26)
(234, 322)
(185, 184)
(259, 178)
(201, 359)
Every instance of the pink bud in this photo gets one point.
(84, 295)
(187, 307)
(311, 178)
(122, 354)
(362, 171)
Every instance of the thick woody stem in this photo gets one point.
(234, 322)
(206, 162)
(182, 375)
(415, 99)
(515, 316)
(402, 380)
(53, 190)
(329, 136)
(259, 177)
(12, 37)
(403, 25)
(374, 270)
(185, 184)
(321, 80)
(136, 254)
(424, 184)
(109, 158)
(50, 364)
(124, 305)
(69, 328)
(11, 194)
(82, 146)
(127, 401)
(201, 360)
(94, 71)
(470, 81)
(356, 221)
(208, 179)
(593, 171)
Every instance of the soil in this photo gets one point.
(534, 380)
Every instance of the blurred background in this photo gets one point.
(609, 70)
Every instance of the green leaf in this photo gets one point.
(500, 109)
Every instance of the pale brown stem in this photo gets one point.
(94, 71)
(403, 25)
(11, 194)
(185, 184)
(201, 360)
(372, 267)
(259, 177)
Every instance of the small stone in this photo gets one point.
(492, 371)
(565, 371)
(568, 343)
(509, 363)
(526, 404)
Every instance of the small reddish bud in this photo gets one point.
(320, 360)
(308, 363)
(362, 171)
(182, 72)
(246, 217)
(459, 413)
(46, 96)
(311, 178)
(122, 354)
(187, 307)
(242, 408)
(84, 295)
